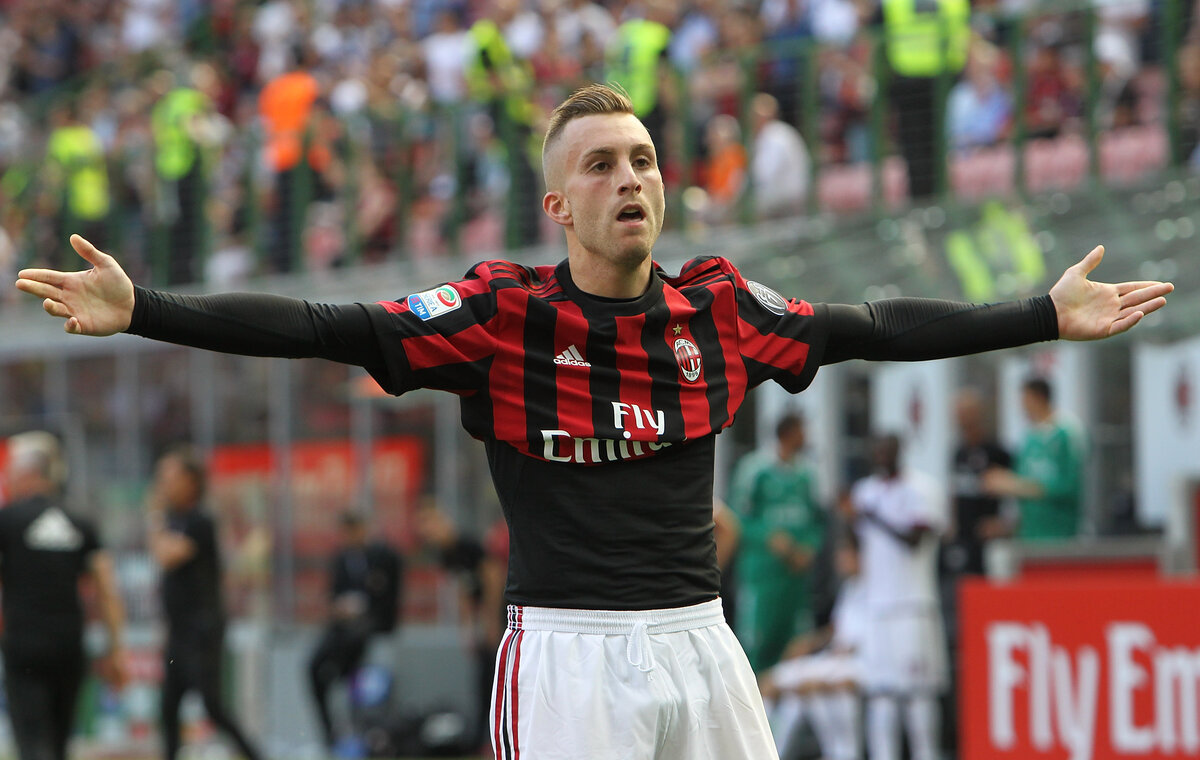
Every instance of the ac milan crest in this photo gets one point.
(688, 357)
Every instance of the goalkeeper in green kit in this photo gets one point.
(782, 529)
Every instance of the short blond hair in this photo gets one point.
(589, 100)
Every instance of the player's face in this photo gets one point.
(612, 189)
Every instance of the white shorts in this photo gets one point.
(904, 652)
(647, 685)
(817, 670)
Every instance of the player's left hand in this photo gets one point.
(1090, 310)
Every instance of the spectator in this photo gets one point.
(899, 518)
(445, 54)
(1050, 100)
(780, 165)
(979, 108)
(724, 170)
(782, 527)
(364, 600)
(1048, 480)
(289, 106)
(577, 20)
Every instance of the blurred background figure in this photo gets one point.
(979, 108)
(296, 153)
(187, 129)
(976, 512)
(1048, 479)
(924, 41)
(724, 170)
(76, 178)
(782, 527)
(44, 553)
(502, 83)
(900, 517)
(820, 675)
(183, 540)
(636, 60)
(481, 567)
(779, 165)
(365, 584)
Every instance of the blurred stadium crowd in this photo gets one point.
(202, 140)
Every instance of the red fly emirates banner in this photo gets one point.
(1080, 670)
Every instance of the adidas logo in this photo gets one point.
(572, 358)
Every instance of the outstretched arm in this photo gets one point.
(917, 329)
(102, 301)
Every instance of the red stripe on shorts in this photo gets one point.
(501, 682)
(513, 696)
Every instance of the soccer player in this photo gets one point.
(782, 529)
(1048, 480)
(598, 386)
(900, 517)
(183, 540)
(44, 551)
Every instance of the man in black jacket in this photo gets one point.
(183, 540)
(45, 550)
(364, 594)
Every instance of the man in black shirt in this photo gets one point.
(598, 387)
(364, 593)
(44, 551)
(183, 539)
(975, 511)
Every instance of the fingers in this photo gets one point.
(90, 253)
(55, 308)
(1124, 323)
(39, 289)
(1142, 295)
(1091, 261)
(51, 276)
(1129, 287)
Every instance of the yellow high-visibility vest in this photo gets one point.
(927, 37)
(632, 61)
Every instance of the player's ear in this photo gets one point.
(557, 207)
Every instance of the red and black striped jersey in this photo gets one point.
(599, 415)
(567, 377)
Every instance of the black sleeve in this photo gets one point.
(257, 324)
(917, 329)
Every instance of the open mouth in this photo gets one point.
(631, 214)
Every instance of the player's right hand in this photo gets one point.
(96, 301)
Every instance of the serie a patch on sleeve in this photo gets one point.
(433, 303)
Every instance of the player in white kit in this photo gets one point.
(821, 675)
(900, 517)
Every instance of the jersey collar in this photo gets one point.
(610, 307)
